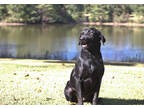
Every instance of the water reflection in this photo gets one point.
(61, 42)
(124, 44)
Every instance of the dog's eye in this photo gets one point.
(82, 33)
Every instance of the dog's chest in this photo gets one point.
(87, 67)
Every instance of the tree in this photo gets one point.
(76, 11)
(119, 12)
(46, 13)
(66, 13)
(61, 14)
(3, 12)
(25, 13)
(137, 13)
(99, 13)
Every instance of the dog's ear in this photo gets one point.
(102, 38)
(97, 32)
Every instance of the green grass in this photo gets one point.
(34, 82)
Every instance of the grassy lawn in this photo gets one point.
(34, 82)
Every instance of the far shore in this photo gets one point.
(85, 23)
(114, 24)
(11, 24)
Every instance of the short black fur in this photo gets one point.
(86, 76)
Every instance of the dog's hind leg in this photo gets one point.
(70, 94)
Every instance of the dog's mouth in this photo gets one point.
(83, 44)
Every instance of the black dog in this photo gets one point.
(85, 79)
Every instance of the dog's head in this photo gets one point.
(90, 37)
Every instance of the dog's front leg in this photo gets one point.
(79, 91)
(96, 94)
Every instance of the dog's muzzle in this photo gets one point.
(83, 43)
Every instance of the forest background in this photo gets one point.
(71, 13)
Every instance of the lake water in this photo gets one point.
(60, 42)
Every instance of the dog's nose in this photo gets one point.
(82, 38)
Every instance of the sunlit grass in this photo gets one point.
(34, 82)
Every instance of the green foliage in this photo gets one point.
(24, 13)
(76, 11)
(69, 13)
(61, 14)
(3, 12)
(99, 13)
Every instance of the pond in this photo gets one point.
(60, 42)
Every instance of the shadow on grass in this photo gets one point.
(73, 61)
(60, 61)
(105, 63)
(114, 101)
